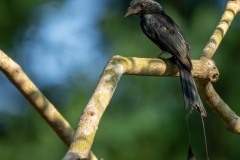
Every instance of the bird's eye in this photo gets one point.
(141, 5)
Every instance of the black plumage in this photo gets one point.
(165, 33)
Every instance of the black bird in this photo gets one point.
(165, 33)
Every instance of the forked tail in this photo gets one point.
(190, 92)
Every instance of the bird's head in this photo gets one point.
(140, 7)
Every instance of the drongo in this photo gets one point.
(165, 33)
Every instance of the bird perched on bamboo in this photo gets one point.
(165, 33)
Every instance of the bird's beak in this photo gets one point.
(131, 11)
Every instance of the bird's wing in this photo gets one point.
(164, 32)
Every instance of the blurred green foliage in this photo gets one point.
(14, 16)
(146, 117)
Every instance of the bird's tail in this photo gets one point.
(190, 92)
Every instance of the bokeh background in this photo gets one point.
(63, 46)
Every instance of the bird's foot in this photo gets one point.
(173, 59)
